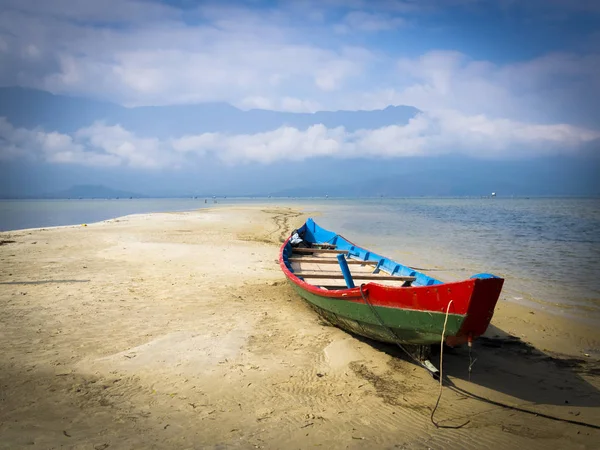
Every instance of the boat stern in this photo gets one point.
(485, 294)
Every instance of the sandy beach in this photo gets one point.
(178, 330)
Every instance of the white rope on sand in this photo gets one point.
(459, 390)
(442, 375)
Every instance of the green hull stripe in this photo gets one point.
(409, 326)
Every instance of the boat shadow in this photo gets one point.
(505, 364)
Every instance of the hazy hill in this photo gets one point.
(453, 175)
(31, 108)
(91, 191)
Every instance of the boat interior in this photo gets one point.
(333, 263)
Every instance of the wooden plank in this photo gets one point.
(356, 275)
(318, 250)
(327, 260)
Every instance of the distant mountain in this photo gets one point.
(32, 108)
(445, 176)
(91, 191)
(448, 175)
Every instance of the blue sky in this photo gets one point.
(494, 78)
(316, 54)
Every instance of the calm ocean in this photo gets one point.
(547, 249)
(19, 214)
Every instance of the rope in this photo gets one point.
(471, 360)
(523, 410)
(437, 425)
(392, 334)
(457, 389)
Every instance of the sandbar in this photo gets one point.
(178, 330)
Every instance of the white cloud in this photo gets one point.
(289, 104)
(331, 76)
(284, 57)
(198, 144)
(131, 150)
(285, 143)
(298, 105)
(97, 145)
(369, 22)
(227, 54)
(256, 102)
(113, 11)
(427, 134)
(31, 51)
(556, 87)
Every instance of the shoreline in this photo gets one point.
(179, 330)
(567, 321)
(98, 222)
(539, 305)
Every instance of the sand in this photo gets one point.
(179, 331)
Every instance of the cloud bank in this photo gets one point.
(295, 56)
(428, 134)
(304, 57)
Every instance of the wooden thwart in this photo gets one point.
(354, 275)
(318, 250)
(326, 260)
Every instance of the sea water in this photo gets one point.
(20, 214)
(547, 249)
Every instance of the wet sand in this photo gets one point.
(179, 331)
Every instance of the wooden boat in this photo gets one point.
(373, 296)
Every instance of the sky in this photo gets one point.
(493, 79)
